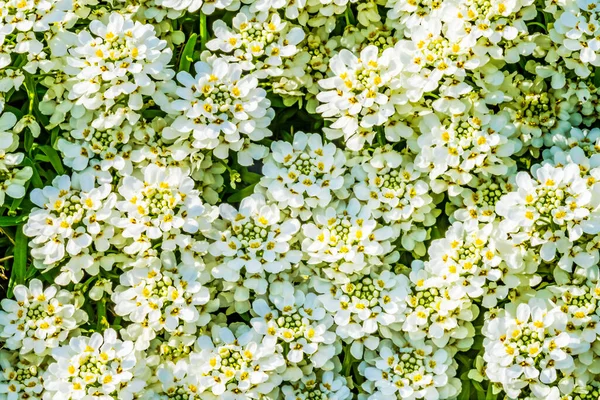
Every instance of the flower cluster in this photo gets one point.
(13, 177)
(39, 319)
(299, 199)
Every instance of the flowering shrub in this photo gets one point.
(299, 200)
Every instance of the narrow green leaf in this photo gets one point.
(31, 273)
(203, 31)
(350, 20)
(28, 141)
(35, 180)
(19, 267)
(465, 394)
(478, 343)
(250, 177)
(150, 114)
(102, 322)
(54, 136)
(240, 195)
(186, 58)
(490, 393)
(14, 110)
(478, 388)
(54, 159)
(12, 221)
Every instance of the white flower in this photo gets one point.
(329, 385)
(39, 319)
(155, 204)
(555, 209)
(366, 309)
(20, 22)
(259, 42)
(359, 93)
(71, 217)
(234, 363)
(96, 367)
(413, 370)
(453, 150)
(163, 299)
(579, 146)
(497, 21)
(20, 379)
(253, 240)
(429, 56)
(299, 320)
(389, 184)
(348, 235)
(114, 61)
(12, 178)
(110, 146)
(534, 109)
(471, 257)
(304, 174)
(179, 379)
(437, 310)
(219, 109)
(574, 30)
(477, 203)
(206, 7)
(525, 347)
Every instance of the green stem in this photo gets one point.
(347, 363)
(380, 136)
(203, 32)
(102, 321)
(30, 85)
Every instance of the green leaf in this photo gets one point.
(465, 394)
(240, 195)
(490, 393)
(102, 322)
(250, 177)
(54, 159)
(186, 58)
(54, 136)
(275, 100)
(28, 142)
(12, 221)
(478, 388)
(478, 343)
(150, 114)
(19, 267)
(35, 180)
(203, 31)
(350, 20)
(48, 275)
(18, 113)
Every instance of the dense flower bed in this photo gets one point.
(299, 199)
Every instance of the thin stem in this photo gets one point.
(102, 321)
(10, 238)
(380, 136)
